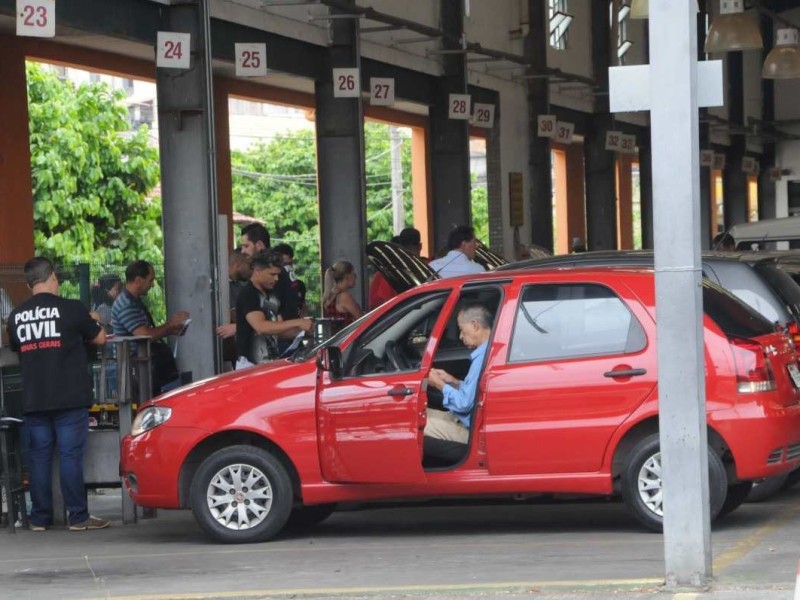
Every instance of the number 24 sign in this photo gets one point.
(173, 50)
(36, 18)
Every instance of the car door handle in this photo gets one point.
(625, 373)
(400, 391)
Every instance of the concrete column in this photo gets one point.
(705, 142)
(766, 187)
(16, 195)
(646, 187)
(340, 161)
(734, 180)
(450, 137)
(601, 205)
(188, 184)
(540, 169)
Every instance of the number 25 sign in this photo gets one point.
(36, 18)
(173, 50)
(251, 60)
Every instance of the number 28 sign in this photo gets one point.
(459, 107)
(173, 50)
(36, 18)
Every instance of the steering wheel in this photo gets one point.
(396, 358)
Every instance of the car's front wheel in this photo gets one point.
(241, 494)
(642, 484)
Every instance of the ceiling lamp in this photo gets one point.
(783, 61)
(640, 9)
(732, 29)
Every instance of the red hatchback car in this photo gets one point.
(567, 403)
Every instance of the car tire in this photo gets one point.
(792, 478)
(641, 483)
(303, 517)
(767, 488)
(247, 483)
(737, 494)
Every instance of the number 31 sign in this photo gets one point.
(173, 50)
(36, 18)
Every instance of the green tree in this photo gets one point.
(91, 175)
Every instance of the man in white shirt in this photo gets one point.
(462, 245)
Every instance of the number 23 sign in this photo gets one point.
(173, 50)
(36, 18)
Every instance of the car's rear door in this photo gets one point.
(370, 422)
(579, 363)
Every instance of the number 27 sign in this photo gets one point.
(173, 50)
(36, 18)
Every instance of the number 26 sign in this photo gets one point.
(36, 18)
(173, 50)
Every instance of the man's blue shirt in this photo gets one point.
(460, 401)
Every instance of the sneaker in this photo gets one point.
(34, 527)
(90, 523)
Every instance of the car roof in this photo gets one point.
(608, 257)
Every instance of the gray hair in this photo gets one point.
(477, 312)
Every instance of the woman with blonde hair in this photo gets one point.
(337, 302)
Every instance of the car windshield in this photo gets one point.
(306, 353)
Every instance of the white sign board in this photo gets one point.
(173, 50)
(706, 158)
(564, 132)
(251, 60)
(775, 174)
(458, 107)
(627, 144)
(546, 126)
(381, 91)
(748, 164)
(346, 83)
(483, 115)
(36, 18)
(719, 161)
(613, 140)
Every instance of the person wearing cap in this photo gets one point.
(379, 290)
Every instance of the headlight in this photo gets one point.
(150, 417)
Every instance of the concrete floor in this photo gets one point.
(565, 551)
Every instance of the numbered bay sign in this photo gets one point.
(627, 144)
(706, 158)
(251, 60)
(483, 115)
(36, 18)
(546, 126)
(613, 140)
(459, 107)
(346, 83)
(173, 50)
(564, 132)
(719, 162)
(381, 91)
(749, 165)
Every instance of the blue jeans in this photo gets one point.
(67, 430)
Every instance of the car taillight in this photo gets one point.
(793, 329)
(753, 370)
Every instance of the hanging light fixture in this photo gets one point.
(640, 9)
(732, 29)
(783, 61)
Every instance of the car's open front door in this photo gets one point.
(370, 420)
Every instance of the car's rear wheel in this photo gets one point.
(241, 494)
(642, 485)
(792, 478)
(767, 488)
(308, 516)
(737, 494)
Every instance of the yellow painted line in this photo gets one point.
(748, 543)
(294, 592)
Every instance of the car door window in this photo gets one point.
(397, 341)
(564, 321)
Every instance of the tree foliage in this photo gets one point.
(91, 175)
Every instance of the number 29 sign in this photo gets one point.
(36, 18)
(173, 50)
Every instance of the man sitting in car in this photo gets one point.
(475, 327)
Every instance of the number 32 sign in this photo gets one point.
(173, 50)
(36, 18)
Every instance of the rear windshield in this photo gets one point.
(784, 284)
(732, 315)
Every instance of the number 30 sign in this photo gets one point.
(173, 50)
(36, 18)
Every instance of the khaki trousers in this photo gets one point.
(445, 426)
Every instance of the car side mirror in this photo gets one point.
(330, 359)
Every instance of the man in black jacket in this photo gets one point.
(49, 333)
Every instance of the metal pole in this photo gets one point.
(676, 191)
(398, 210)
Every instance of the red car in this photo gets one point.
(567, 403)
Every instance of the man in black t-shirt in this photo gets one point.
(258, 319)
(50, 333)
